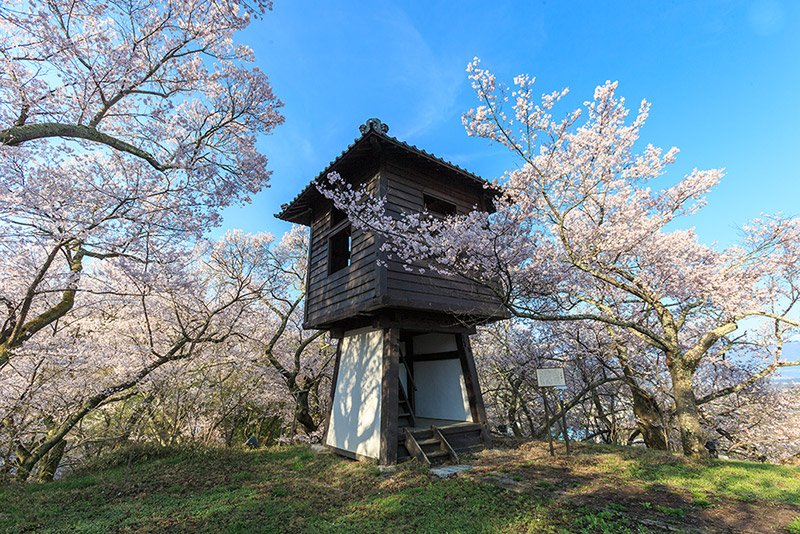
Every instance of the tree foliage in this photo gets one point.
(125, 127)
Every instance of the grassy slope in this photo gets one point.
(291, 489)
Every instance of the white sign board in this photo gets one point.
(552, 377)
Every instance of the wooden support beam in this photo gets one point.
(476, 406)
(417, 321)
(445, 445)
(414, 449)
(390, 384)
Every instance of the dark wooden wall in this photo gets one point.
(349, 290)
(365, 287)
(406, 185)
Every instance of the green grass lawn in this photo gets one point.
(745, 481)
(291, 489)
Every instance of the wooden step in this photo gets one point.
(463, 437)
(438, 457)
(423, 434)
(430, 447)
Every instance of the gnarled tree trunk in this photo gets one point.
(687, 415)
(49, 464)
(648, 414)
(649, 418)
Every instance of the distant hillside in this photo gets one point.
(514, 489)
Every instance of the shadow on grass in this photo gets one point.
(623, 489)
(659, 508)
(286, 489)
(291, 489)
(746, 481)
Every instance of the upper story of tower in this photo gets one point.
(347, 286)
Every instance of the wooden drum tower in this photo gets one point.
(404, 380)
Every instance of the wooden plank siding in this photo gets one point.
(352, 288)
(363, 288)
(431, 290)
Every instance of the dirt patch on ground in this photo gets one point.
(668, 510)
(749, 517)
(603, 489)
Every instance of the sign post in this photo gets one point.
(563, 416)
(547, 422)
(553, 377)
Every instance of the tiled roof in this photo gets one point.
(374, 127)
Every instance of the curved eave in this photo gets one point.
(298, 210)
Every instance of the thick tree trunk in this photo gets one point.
(513, 404)
(610, 435)
(303, 411)
(49, 464)
(648, 414)
(686, 413)
(649, 419)
(511, 417)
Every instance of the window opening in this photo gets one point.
(340, 247)
(438, 207)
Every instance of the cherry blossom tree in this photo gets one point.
(124, 127)
(129, 327)
(295, 360)
(587, 230)
(599, 401)
(208, 350)
(612, 396)
(301, 358)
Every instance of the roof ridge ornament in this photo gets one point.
(375, 124)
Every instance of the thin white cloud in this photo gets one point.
(766, 17)
(432, 82)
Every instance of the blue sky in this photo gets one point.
(723, 78)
